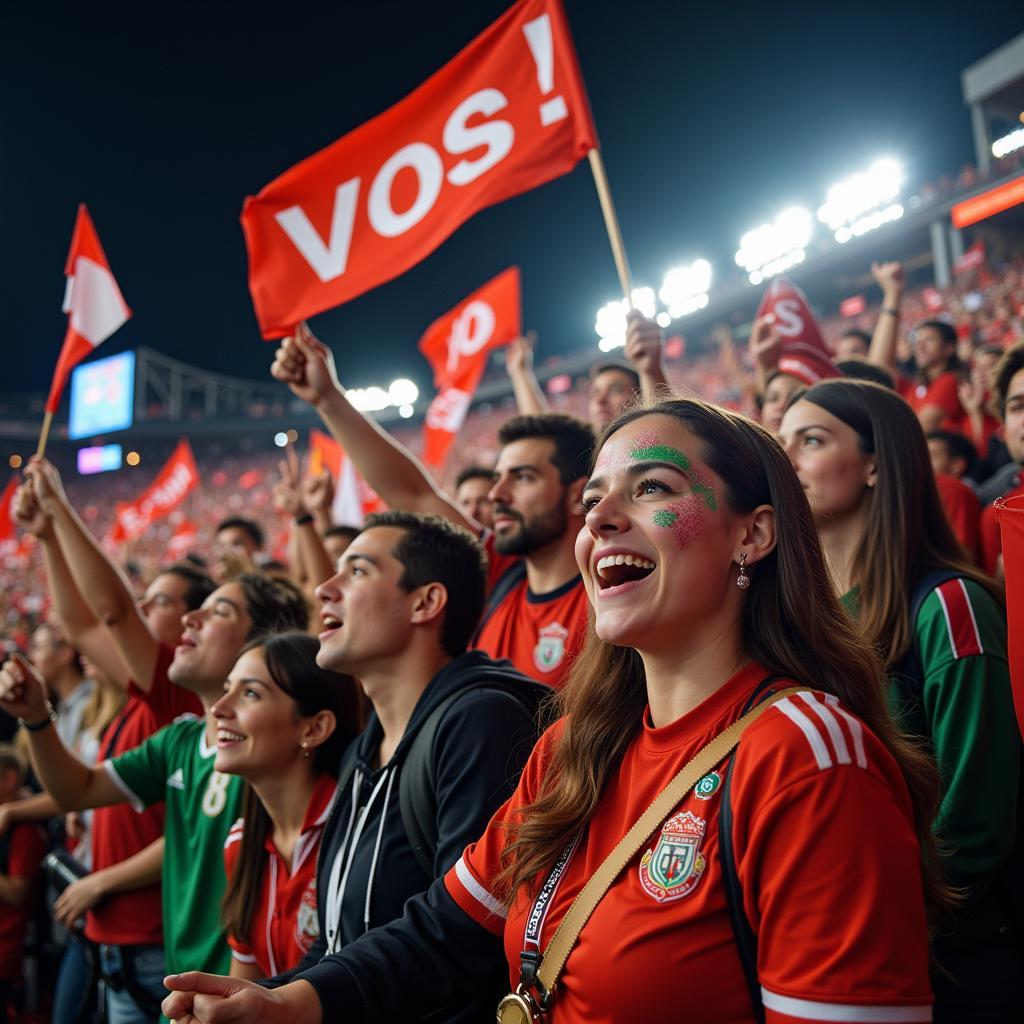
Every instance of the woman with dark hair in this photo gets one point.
(282, 725)
(938, 623)
(789, 882)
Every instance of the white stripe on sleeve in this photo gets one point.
(835, 733)
(856, 729)
(129, 794)
(809, 729)
(806, 1009)
(489, 902)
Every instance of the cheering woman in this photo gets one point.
(790, 882)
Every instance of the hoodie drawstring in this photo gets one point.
(376, 850)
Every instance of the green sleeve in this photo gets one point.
(141, 773)
(968, 705)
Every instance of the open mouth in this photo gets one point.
(331, 623)
(616, 570)
(227, 738)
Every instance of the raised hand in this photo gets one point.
(644, 341)
(318, 491)
(765, 343)
(889, 277)
(46, 484)
(519, 353)
(306, 365)
(29, 514)
(287, 491)
(22, 690)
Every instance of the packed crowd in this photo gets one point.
(774, 654)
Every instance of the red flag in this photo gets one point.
(6, 517)
(933, 299)
(354, 498)
(972, 258)
(804, 353)
(182, 541)
(92, 300)
(457, 346)
(505, 115)
(173, 483)
(1010, 516)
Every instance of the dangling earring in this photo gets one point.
(305, 749)
(743, 580)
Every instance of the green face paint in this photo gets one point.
(648, 452)
(663, 517)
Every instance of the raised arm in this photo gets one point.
(883, 342)
(644, 344)
(530, 399)
(765, 350)
(85, 632)
(307, 367)
(73, 785)
(313, 564)
(104, 589)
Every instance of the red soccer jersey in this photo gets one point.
(991, 541)
(285, 924)
(963, 510)
(119, 832)
(26, 845)
(826, 856)
(539, 633)
(941, 392)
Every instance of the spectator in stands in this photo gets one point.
(61, 666)
(538, 616)
(337, 540)
(236, 544)
(21, 851)
(983, 427)
(829, 806)
(941, 629)
(472, 493)
(1008, 403)
(853, 343)
(282, 725)
(861, 369)
(951, 454)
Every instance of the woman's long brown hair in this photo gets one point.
(792, 624)
(907, 533)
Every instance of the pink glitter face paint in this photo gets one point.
(683, 518)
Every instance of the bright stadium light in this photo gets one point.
(403, 392)
(685, 289)
(371, 399)
(1008, 143)
(773, 248)
(280, 439)
(405, 411)
(610, 322)
(663, 319)
(864, 201)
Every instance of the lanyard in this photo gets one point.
(546, 896)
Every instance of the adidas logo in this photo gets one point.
(176, 780)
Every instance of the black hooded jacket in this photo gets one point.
(480, 747)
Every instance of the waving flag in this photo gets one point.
(804, 352)
(92, 300)
(354, 498)
(178, 478)
(457, 346)
(505, 115)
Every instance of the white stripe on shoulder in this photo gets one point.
(809, 729)
(974, 621)
(242, 958)
(129, 794)
(489, 902)
(832, 727)
(856, 729)
(949, 624)
(807, 1009)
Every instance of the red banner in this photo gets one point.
(972, 258)
(804, 353)
(1010, 516)
(7, 534)
(853, 306)
(175, 481)
(504, 116)
(933, 299)
(184, 539)
(457, 346)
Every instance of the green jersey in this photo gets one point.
(176, 765)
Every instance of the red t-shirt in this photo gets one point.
(26, 846)
(963, 510)
(539, 633)
(991, 541)
(285, 924)
(940, 392)
(827, 858)
(118, 832)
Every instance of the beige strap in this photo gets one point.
(591, 894)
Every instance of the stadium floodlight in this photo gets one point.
(685, 289)
(610, 322)
(403, 392)
(663, 319)
(864, 201)
(371, 399)
(772, 249)
(1008, 144)
(280, 439)
(405, 411)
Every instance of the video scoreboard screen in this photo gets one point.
(102, 396)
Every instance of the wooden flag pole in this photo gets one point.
(611, 223)
(44, 434)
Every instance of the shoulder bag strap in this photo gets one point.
(689, 775)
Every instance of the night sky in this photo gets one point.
(712, 118)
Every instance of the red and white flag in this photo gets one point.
(184, 539)
(92, 300)
(804, 352)
(505, 115)
(178, 478)
(457, 346)
(972, 259)
(354, 498)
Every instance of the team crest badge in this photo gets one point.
(550, 649)
(708, 786)
(674, 867)
(307, 924)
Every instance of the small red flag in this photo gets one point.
(92, 300)
(457, 346)
(505, 115)
(354, 498)
(174, 482)
(804, 353)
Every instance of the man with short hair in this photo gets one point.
(236, 543)
(951, 453)
(537, 611)
(398, 616)
(472, 493)
(1008, 404)
(853, 343)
